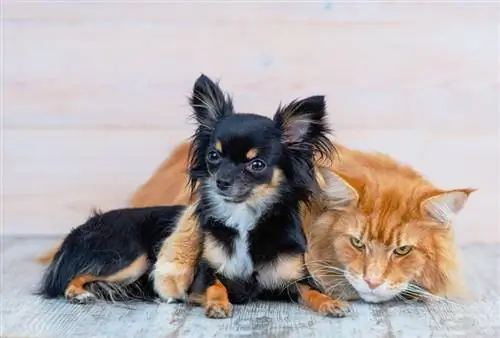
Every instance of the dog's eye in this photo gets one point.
(213, 156)
(257, 165)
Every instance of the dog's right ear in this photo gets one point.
(303, 125)
(209, 103)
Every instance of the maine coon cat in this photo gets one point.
(383, 231)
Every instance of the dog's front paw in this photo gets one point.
(218, 310)
(334, 308)
(171, 281)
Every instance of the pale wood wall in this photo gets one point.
(95, 92)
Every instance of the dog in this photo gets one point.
(251, 174)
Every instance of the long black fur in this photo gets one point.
(108, 242)
(288, 142)
(298, 155)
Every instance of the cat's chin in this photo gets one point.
(383, 293)
(371, 297)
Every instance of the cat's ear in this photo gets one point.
(443, 206)
(339, 190)
(303, 121)
(209, 102)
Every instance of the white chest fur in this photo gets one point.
(241, 217)
(273, 275)
(237, 265)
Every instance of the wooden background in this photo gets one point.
(94, 93)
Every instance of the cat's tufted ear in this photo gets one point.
(443, 206)
(339, 190)
(209, 102)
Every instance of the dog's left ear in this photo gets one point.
(303, 121)
(209, 102)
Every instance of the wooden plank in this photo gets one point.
(52, 178)
(26, 315)
(104, 65)
(342, 12)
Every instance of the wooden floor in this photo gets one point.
(26, 315)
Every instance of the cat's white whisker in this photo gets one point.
(415, 290)
(329, 272)
(287, 286)
(404, 300)
(332, 288)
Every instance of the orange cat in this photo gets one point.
(168, 185)
(377, 231)
(386, 231)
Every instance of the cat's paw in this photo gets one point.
(218, 310)
(334, 308)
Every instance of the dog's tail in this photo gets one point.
(93, 258)
(57, 275)
(65, 268)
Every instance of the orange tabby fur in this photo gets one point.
(385, 205)
(369, 196)
(168, 185)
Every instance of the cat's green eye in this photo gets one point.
(357, 243)
(403, 250)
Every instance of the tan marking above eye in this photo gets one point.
(252, 153)
(357, 243)
(218, 146)
(403, 250)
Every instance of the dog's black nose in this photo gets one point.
(223, 183)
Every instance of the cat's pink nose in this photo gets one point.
(372, 282)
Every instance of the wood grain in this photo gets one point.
(96, 64)
(26, 315)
